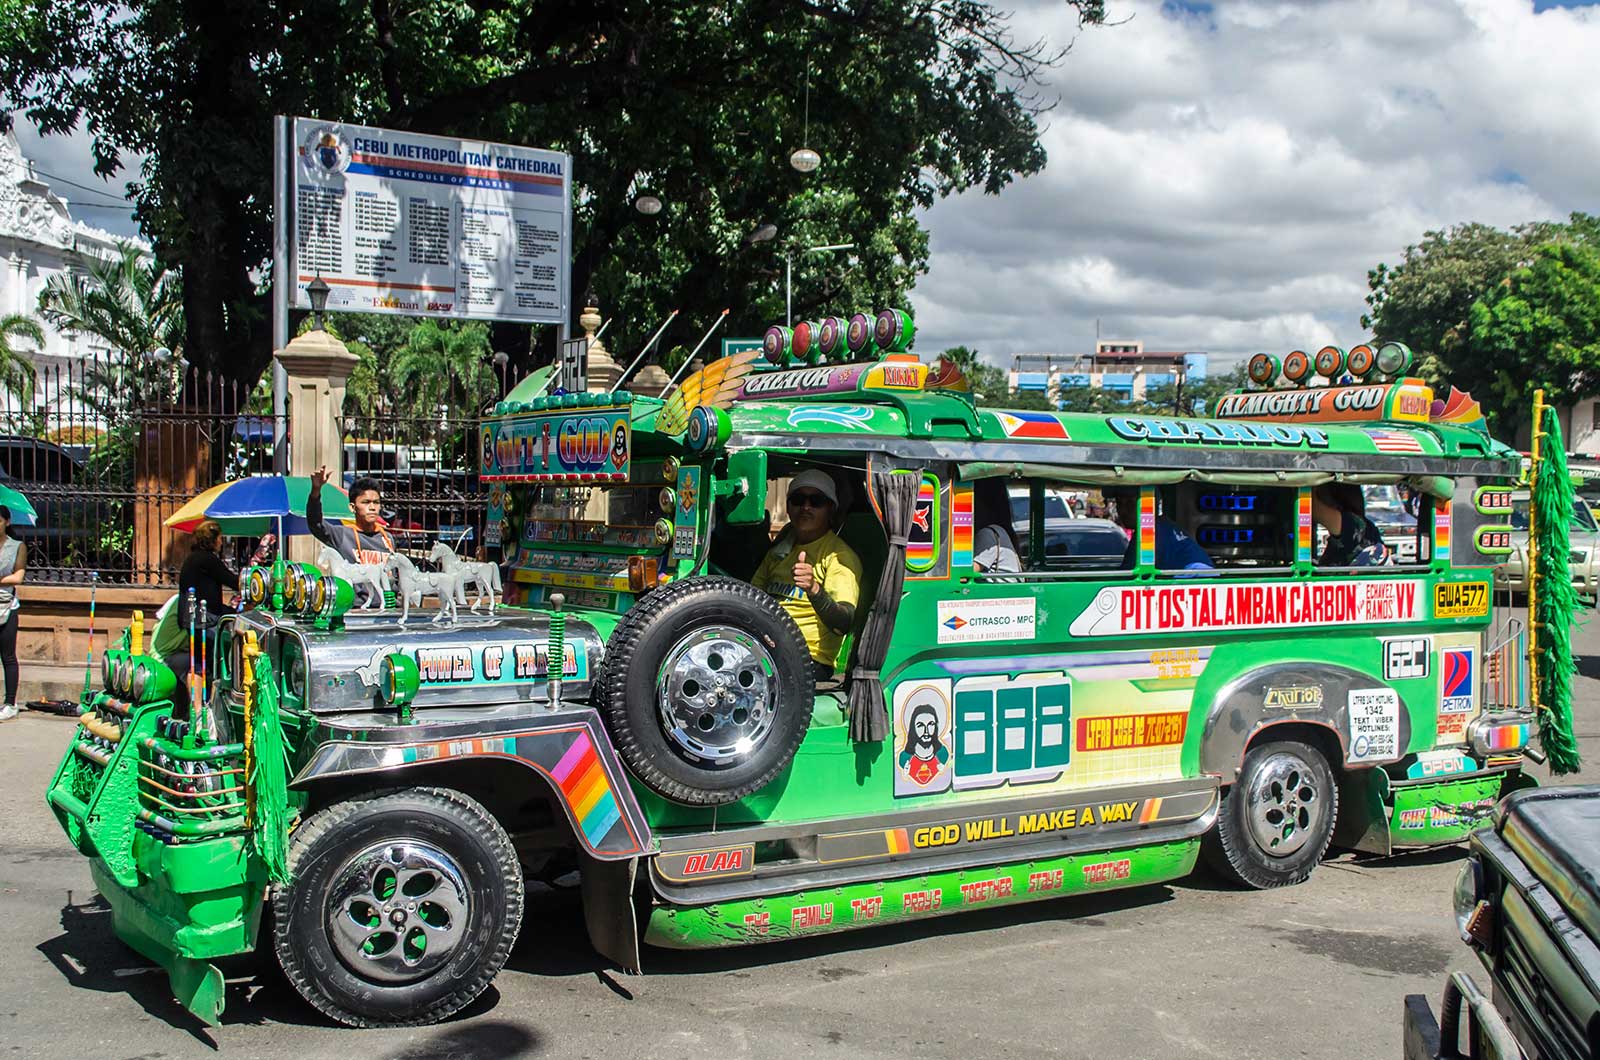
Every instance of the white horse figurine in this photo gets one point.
(373, 574)
(484, 577)
(412, 583)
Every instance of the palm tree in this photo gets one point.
(132, 304)
(16, 371)
(443, 370)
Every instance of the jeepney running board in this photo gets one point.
(705, 868)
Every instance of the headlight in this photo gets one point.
(141, 677)
(1468, 892)
(105, 671)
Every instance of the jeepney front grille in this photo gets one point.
(1540, 1010)
(189, 794)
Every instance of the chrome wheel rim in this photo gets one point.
(397, 911)
(715, 695)
(1286, 805)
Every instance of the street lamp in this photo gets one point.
(317, 290)
(763, 233)
(788, 276)
(647, 204)
(501, 359)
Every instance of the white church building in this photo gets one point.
(39, 238)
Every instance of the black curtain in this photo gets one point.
(896, 493)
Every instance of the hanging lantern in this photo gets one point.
(805, 160)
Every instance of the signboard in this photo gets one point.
(733, 346)
(397, 222)
(583, 445)
(574, 370)
(1406, 400)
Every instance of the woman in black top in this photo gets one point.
(1353, 541)
(205, 573)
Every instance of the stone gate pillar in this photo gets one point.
(317, 366)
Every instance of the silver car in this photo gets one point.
(1512, 574)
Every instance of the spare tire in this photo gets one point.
(707, 690)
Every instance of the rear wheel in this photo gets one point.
(1277, 819)
(402, 909)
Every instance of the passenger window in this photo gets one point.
(1235, 526)
(1392, 526)
(1072, 530)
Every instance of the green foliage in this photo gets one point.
(988, 380)
(1540, 327)
(1554, 600)
(1429, 301)
(699, 103)
(16, 371)
(135, 306)
(442, 370)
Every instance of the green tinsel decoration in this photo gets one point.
(1555, 602)
(271, 775)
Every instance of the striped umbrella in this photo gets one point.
(22, 513)
(257, 505)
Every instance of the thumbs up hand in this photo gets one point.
(805, 575)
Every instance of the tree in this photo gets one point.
(443, 371)
(989, 384)
(699, 103)
(1538, 328)
(16, 371)
(133, 305)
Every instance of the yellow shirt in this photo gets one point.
(838, 571)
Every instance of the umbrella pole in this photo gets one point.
(88, 658)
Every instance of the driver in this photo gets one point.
(814, 574)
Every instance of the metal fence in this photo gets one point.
(106, 453)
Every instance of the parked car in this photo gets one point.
(1387, 509)
(1071, 544)
(1528, 904)
(1512, 574)
(68, 528)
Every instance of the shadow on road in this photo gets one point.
(487, 1040)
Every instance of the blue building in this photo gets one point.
(1120, 367)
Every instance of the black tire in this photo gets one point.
(688, 760)
(1277, 819)
(334, 848)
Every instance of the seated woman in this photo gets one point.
(1353, 541)
(813, 573)
(994, 550)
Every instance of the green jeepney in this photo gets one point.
(637, 711)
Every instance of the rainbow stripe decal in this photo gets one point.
(583, 782)
(961, 526)
(1147, 528)
(1307, 533)
(1512, 737)
(586, 775)
(1441, 530)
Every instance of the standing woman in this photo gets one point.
(13, 566)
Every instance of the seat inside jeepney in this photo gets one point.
(862, 531)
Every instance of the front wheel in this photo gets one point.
(402, 909)
(1277, 819)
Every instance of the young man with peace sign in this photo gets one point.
(814, 574)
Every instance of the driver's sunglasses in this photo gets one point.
(807, 500)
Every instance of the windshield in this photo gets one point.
(1582, 519)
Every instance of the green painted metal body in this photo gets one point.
(894, 900)
(1122, 679)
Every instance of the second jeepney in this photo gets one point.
(638, 712)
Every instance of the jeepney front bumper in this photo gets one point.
(1489, 1037)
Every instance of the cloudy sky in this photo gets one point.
(1222, 175)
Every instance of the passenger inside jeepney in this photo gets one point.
(814, 574)
(1175, 550)
(1353, 541)
(994, 549)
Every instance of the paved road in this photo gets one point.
(1189, 970)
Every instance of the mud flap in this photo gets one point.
(198, 985)
(608, 910)
(1363, 812)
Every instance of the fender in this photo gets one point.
(1315, 694)
(569, 750)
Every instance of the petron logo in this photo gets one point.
(1455, 689)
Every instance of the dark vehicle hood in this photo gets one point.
(1556, 832)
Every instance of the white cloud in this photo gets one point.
(1223, 180)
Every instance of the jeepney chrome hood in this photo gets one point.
(473, 662)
